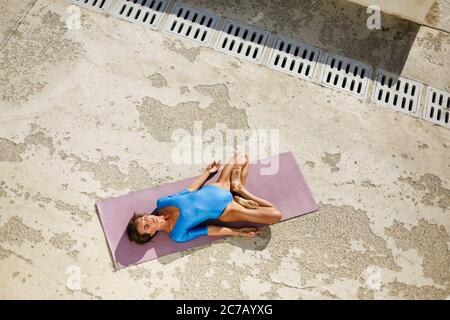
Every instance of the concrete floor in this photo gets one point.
(88, 114)
(439, 15)
(412, 10)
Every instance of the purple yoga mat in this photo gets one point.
(286, 189)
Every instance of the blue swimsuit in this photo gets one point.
(195, 208)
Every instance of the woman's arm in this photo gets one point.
(198, 183)
(213, 231)
(227, 231)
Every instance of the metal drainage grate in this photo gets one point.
(191, 23)
(97, 5)
(294, 58)
(397, 92)
(346, 75)
(437, 107)
(147, 13)
(242, 41)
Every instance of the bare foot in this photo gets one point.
(236, 184)
(246, 203)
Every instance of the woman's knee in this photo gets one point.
(276, 215)
(242, 159)
(238, 158)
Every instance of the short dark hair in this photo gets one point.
(133, 233)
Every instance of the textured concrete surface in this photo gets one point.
(429, 58)
(439, 15)
(87, 114)
(414, 10)
(11, 15)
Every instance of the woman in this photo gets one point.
(181, 214)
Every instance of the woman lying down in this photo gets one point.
(181, 214)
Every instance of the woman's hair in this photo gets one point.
(133, 233)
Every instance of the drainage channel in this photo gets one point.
(346, 75)
(288, 56)
(191, 23)
(397, 93)
(146, 13)
(294, 58)
(437, 107)
(242, 41)
(97, 5)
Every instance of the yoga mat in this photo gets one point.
(286, 189)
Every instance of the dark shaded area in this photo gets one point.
(129, 254)
(338, 26)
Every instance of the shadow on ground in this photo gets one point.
(258, 243)
(128, 255)
(338, 26)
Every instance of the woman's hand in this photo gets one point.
(213, 167)
(248, 232)
(200, 180)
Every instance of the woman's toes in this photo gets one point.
(249, 204)
(236, 186)
(254, 204)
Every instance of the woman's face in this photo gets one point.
(147, 224)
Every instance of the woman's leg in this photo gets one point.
(252, 208)
(247, 203)
(238, 187)
(244, 171)
(235, 212)
(224, 179)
